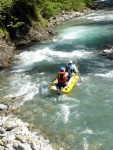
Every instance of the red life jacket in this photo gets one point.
(61, 77)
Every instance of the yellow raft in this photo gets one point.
(68, 87)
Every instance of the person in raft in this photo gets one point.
(62, 78)
(71, 68)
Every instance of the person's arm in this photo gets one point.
(66, 75)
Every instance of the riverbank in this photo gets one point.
(8, 48)
(7, 51)
(16, 134)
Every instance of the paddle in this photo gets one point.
(42, 88)
(78, 70)
(80, 77)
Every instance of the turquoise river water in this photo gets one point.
(82, 119)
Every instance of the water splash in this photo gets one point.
(105, 75)
(87, 131)
(85, 144)
(65, 112)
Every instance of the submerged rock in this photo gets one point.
(107, 53)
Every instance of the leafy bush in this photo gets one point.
(50, 8)
(5, 5)
(78, 5)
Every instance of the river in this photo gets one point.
(82, 119)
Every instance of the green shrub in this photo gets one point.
(5, 5)
(78, 5)
(50, 8)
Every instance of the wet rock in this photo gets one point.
(2, 148)
(15, 134)
(25, 146)
(1, 131)
(58, 19)
(1, 142)
(3, 107)
(107, 53)
(61, 148)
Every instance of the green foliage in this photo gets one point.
(5, 5)
(88, 1)
(1, 31)
(42, 23)
(5, 32)
(50, 8)
(78, 5)
(18, 14)
(18, 24)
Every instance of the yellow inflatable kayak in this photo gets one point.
(68, 87)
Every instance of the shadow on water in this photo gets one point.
(104, 3)
(98, 23)
(44, 67)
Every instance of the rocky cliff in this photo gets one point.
(8, 47)
(6, 51)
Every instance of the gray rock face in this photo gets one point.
(6, 51)
(107, 53)
(3, 107)
(55, 20)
